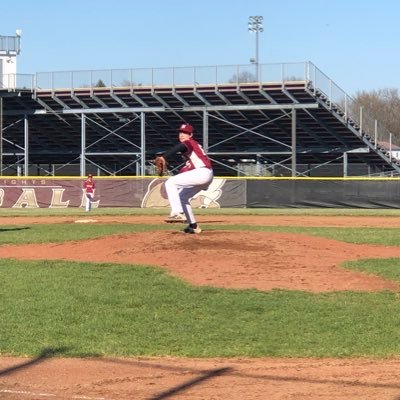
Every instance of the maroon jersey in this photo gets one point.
(195, 156)
(89, 185)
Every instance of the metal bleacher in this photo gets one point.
(291, 120)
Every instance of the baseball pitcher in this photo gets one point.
(194, 176)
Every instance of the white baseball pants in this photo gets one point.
(89, 199)
(182, 187)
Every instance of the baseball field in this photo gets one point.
(263, 304)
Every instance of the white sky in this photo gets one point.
(354, 42)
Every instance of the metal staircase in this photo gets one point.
(355, 125)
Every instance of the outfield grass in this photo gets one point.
(129, 310)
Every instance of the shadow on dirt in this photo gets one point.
(181, 388)
(44, 355)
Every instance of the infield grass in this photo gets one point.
(47, 233)
(105, 309)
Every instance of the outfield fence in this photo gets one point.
(39, 192)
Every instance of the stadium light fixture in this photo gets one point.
(255, 26)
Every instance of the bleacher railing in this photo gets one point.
(353, 112)
(170, 76)
(13, 82)
(215, 75)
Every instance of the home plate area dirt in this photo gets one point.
(230, 259)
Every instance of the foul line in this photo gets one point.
(49, 395)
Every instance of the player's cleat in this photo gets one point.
(191, 230)
(176, 218)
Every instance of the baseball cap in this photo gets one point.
(90, 176)
(186, 128)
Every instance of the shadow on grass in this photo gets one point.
(19, 228)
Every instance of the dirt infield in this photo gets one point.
(261, 260)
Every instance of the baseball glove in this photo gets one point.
(161, 165)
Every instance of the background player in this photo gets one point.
(89, 187)
(194, 176)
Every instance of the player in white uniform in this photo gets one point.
(194, 176)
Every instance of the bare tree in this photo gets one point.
(384, 106)
(243, 77)
(126, 82)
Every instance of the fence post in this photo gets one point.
(307, 72)
(315, 80)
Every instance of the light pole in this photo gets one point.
(255, 25)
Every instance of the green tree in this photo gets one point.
(100, 83)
